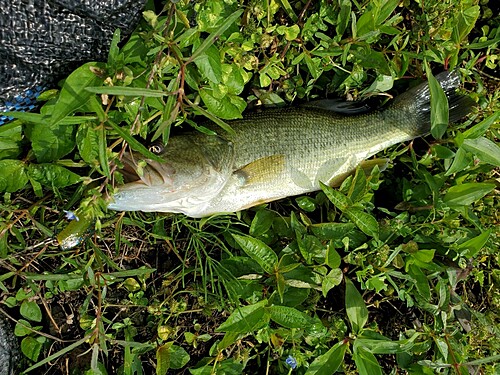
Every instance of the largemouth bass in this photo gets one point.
(274, 153)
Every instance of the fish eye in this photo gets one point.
(156, 148)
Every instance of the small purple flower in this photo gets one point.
(70, 215)
(292, 362)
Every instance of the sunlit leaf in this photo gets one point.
(485, 150)
(439, 106)
(74, 94)
(13, 176)
(258, 251)
(468, 193)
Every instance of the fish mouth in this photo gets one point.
(137, 171)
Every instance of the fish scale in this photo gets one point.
(277, 153)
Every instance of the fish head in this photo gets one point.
(194, 170)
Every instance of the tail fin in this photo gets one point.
(420, 97)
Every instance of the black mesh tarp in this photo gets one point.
(41, 41)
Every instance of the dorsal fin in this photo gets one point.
(340, 106)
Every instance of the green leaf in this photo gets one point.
(336, 197)
(73, 93)
(228, 107)
(31, 311)
(331, 280)
(472, 247)
(376, 283)
(262, 222)
(357, 313)
(439, 106)
(343, 16)
(216, 34)
(460, 162)
(163, 358)
(479, 129)
(466, 21)
(103, 154)
(31, 348)
(52, 175)
(134, 143)
(233, 78)
(212, 117)
(58, 354)
(485, 150)
(258, 251)
(364, 221)
(127, 91)
(13, 176)
(52, 142)
(421, 281)
(87, 141)
(425, 256)
(37, 118)
(384, 345)
(382, 83)
(289, 317)
(328, 363)
(22, 328)
(332, 258)
(306, 203)
(170, 356)
(10, 140)
(366, 363)
(468, 193)
(289, 10)
(209, 64)
(332, 231)
(246, 319)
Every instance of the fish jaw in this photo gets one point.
(189, 200)
(195, 169)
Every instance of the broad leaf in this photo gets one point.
(52, 175)
(485, 150)
(209, 64)
(228, 107)
(328, 363)
(246, 319)
(468, 193)
(366, 362)
(439, 106)
(74, 94)
(289, 317)
(31, 311)
(52, 142)
(87, 141)
(336, 197)
(472, 247)
(364, 221)
(258, 251)
(13, 176)
(10, 140)
(357, 313)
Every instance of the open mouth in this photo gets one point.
(144, 171)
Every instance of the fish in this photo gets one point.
(275, 153)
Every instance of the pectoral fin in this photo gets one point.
(330, 170)
(261, 170)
